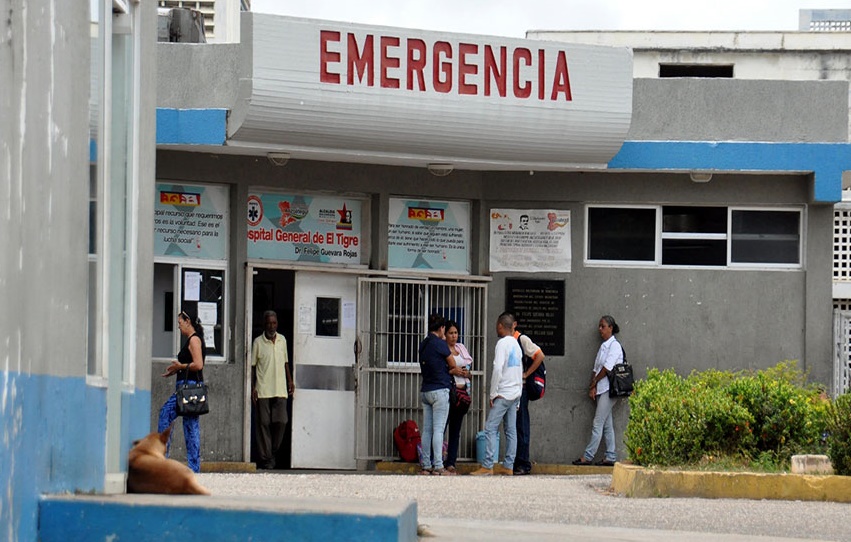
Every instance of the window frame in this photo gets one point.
(179, 266)
(660, 235)
(623, 263)
(760, 265)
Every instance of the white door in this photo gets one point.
(323, 424)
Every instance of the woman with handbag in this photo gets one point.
(609, 354)
(187, 367)
(461, 381)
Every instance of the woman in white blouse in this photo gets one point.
(609, 354)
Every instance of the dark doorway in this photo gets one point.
(273, 290)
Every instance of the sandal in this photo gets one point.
(441, 472)
(425, 472)
(451, 470)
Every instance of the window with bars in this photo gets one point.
(842, 244)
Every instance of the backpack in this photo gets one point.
(407, 438)
(536, 383)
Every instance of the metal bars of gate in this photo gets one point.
(841, 352)
(393, 321)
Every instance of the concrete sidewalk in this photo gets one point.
(488, 531)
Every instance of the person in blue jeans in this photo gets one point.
(522, 463)
(436, 366)
(609, 354)
(187, 366)
(506, 387)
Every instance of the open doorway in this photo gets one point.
(273, 289)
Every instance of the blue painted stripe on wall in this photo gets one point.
(54, 442)
(191, 126)
(80, 519)
(826, 160)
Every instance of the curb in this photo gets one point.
(635, 481)
(398, 467)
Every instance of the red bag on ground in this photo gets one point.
(407, 437)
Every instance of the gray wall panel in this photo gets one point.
(685, 109)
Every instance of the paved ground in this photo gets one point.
(553, 508)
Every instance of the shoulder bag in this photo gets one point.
(192, 398)
(620, 378)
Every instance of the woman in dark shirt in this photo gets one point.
(189, 362)
(436, 367)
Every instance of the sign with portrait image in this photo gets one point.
(530, 240)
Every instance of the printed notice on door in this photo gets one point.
(530, 240)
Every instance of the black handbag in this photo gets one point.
(192, 398)
(620, 379)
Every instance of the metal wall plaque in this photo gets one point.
(538, 306)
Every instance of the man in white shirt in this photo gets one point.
(505, 390)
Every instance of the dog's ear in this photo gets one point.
(165, 434)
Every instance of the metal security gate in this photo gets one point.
(393, 319)
(841, 351)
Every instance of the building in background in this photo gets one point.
(362, 177)
(819, 51)
(824, 20)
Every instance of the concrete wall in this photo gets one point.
(788, 56)
(193, 75)
(687, 109)
(52, 417)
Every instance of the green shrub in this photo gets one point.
(675, 421)
(839, 434)
(787, 419)
(759, 418)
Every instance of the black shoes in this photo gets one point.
(520, 471)
(582, 461)
(605, 463)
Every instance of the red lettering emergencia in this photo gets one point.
(442, 49)
(360, 62)
(521, 91)
(561, 80)
(465, 69)
(388, 62)
(482, 69)
(492, 71)
(326, 56)
(416, 63)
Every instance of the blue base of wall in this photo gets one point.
(54, 441)
(182, 518)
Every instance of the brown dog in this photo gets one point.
(151, 472)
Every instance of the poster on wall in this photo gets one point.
(191, 221)
(432, 235)
(530, 240)
(304, 228)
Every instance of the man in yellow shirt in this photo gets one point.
(271, 384)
